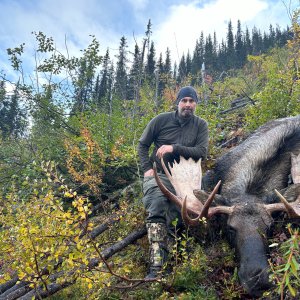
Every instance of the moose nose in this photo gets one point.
(255, 280)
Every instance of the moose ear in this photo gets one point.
(202, 196)
(291, 192)
(295, 169)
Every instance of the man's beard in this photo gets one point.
(186, 112)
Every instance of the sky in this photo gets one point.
(176, 24)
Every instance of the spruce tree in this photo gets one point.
(160, 68)
(209, 55)
(121, 71)
(239, 47)
(182, 72)
(256, 41)
(83, 86)
(148, 36)
(168, 64)
(12, 116)
(198, 56)
(104, 88)
(150, 65)
(272, 36)
(197, 60)
(215, 53)
(188, 64)
(247, 42)
(230, 53)
(134, 75)
(222, 57)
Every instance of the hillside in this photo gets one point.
(72, 221)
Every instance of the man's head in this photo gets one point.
(186, 100)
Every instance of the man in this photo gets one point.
(174, 134)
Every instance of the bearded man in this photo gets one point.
(174, 134)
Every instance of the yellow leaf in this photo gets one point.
(68, 195)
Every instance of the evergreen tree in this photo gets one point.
(96, 89)
(287, 35)
(12, 117)
(148, 36)
(163, 73)
(239, 47)
(4, 108)
(215, 52)
(175, 71)
(83, 86)
(197, 59)
(110, 86)
(188, 64)
(280, 37)
(121, 71)
(256, 41)
(272, 36)
(160, 64)
(134, 75)
(222, 56)
(265, 42)
(247, 43)
(160, 69)
(209, 53)
(230, 55)
(168, 64)
(181, 70)
(102, 87)
(150, 64)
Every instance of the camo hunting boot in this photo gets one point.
(157, 234)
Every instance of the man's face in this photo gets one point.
(186, 107)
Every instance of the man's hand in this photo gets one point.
(149, 173)
(163, 150)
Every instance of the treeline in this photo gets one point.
(208, 60)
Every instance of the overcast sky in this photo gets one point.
(176, 24)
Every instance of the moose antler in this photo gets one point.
(186, 176)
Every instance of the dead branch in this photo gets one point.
(24, 292)
(16, 291)
(8, 284)
(13, 289)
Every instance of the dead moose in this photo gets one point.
(247, 180)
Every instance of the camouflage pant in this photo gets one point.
(157, 235)
(159, 208)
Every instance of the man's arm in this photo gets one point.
(143, 151)
(145, 142)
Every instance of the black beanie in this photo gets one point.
(187, 91)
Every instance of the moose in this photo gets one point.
(252, 183)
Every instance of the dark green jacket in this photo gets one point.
(189, 139)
